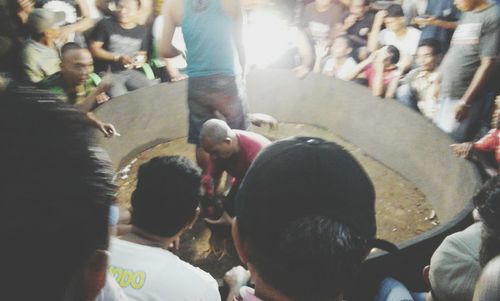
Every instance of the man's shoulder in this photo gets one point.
(52, 82)
(251, 138)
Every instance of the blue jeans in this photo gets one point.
(393, 290)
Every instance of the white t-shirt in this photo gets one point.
(340, 72)
(152, 274)
(406, 46)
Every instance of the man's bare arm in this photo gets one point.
(172, 16)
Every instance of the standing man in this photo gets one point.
(212, 31)
(466, 67)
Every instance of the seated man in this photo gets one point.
(72, 86)
(231, 151)
(396, 33)
(164, 204)
(120, 44)
(56, 186)
(340, 63)
(380, 71)
(357, 25)
(420, 87)
(305, 220)
(40, 56)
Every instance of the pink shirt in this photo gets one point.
(370, 75)
(490, 142)
(236, 166)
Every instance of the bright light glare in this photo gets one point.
(267, 37)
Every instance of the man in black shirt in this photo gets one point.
(120, 44)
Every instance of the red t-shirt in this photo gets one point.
(490, 142)
(370, 75)
(236, 166)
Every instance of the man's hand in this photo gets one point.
(428, 21)
(350, 21)
(107, 129)
(301, 71)
(321, 49)
(379, 18)
(126, 61)
(259, 119)
(175, 245)
(102, 98)
(139, 59)
(236, 278)
(462, 149)
(462, 111)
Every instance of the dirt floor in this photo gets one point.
(402, 210)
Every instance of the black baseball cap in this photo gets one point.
(305, 176)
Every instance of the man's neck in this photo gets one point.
(339, 61)
(400, 34)
(139, 236)
(129, 25)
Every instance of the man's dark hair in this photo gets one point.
(56, 187)
(434, 44)
(487, 202)
(395, 10)
(305, 212)
(394, 54)
(166, 196)
(70, 46)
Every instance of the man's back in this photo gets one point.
(208, 32)
(152, 273)
(250, 145)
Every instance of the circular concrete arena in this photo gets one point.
(390, 133)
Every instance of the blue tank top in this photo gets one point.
(208, 33)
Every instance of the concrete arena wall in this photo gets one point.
(387, 131)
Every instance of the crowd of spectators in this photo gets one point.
(436, 57)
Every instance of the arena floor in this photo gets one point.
(402, 210)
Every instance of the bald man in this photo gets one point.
(231, 151)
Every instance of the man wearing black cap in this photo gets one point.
(305, 220)
(40, 57)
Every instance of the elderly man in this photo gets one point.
(231, 151)
(40, 56)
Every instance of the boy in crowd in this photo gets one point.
(396, 33)
(165, 204)
(420, 87)
(305, 220)
(71, 84)
(57, 186)
(466, 67)
(231, 151)
(40, 56)
(340, 63)
(380, 71)
(120, 44)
